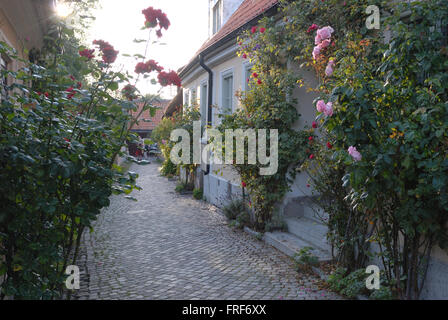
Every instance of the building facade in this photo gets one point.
(211, 79)
(146, 123)
(23, 25)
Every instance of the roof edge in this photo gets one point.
(267, 13)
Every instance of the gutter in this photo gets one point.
(209, 97)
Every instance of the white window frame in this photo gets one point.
(203, 102)
(246, 65)
(186, 97)
(225, 74)
(4, 64)
(217, 8)
(193, 96)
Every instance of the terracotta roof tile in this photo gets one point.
(146, 115)
(247, 11)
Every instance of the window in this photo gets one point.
(3, 77)
(204, 110)
(194, 99)
(247, 74)
(217, 16)
(186, 98)
(227, 92)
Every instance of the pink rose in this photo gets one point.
(321, 106)
(325, 32)
(329, 109)
(316, 52)
(354, 153)
(317, 40)
(325, 43)
(329, 68)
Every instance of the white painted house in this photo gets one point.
(211, 79)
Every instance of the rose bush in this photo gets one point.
(62, 126)
(382, 114)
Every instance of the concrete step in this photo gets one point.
(309, 230)
(290, 244)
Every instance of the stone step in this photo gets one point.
(289, 244)
(309, 230)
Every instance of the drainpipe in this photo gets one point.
(209, 99)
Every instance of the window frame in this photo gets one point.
(4, 65)
(224, 75)
(247, 66)
(203, 102)
(216, 16)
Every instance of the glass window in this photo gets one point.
(194, 99)
(247, 75)
(217, 16)
(3, 77)
(186, 98)
(227, 93)
(203, 101)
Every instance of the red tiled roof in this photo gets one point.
(247, 11)
(142, 125)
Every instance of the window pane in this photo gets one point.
(227, 93)
(203, 105)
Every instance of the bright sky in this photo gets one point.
(119, 22)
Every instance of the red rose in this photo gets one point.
(244, 56)
(329, 146)
(310, 138)
(243, 184)
(314, 124)
(262, 30)
(169, 78)
(255, 75)
(312, 27)
(147, 67)
(259, 81)
(87, 53)
(154, 18)
(311, 156)
(108, 51)
(253, 30)
(71, 92)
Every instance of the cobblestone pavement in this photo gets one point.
(170, 246)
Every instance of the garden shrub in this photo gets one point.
(63, 122)
(382, 115)
(197, 194)
(305, 259)
(234, 208)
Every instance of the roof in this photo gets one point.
(145, 126)
(246, 12)
(174, 104)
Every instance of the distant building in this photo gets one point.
(174, 106)
(146, 123)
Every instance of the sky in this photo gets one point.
(119, 22)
